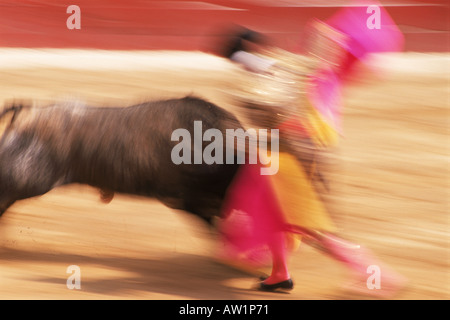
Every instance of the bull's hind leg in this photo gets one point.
(27, 170)
(9, 197)
(32, 189)
(5, 204)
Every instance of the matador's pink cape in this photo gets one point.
(361, 29)
(359, 23)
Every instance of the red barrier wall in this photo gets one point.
(196, 25)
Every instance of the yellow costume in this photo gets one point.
(293, 185)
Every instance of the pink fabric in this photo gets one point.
(325, 93)
(293, 124)
(252, 214)
(325, 96)
(352, 21)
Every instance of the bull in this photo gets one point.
(116, 149)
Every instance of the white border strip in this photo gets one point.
(18, 58)
(118, 60)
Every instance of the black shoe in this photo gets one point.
(284, 285)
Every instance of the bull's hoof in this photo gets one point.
(283, 285)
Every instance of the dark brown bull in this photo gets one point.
(125, 150)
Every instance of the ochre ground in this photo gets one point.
(389, 192)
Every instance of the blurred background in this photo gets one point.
(195, 25)
(389, 187)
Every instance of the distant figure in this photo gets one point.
(240, 48)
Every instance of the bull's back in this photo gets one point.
(128, 149)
